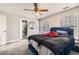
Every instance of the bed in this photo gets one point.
(60, 45)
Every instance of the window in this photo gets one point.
(72, 22)
(69, 21)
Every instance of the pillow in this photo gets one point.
(51, 34)
(61, 32)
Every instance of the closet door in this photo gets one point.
(2, 29)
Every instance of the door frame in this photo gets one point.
(21, 27)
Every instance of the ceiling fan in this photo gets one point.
(36, 9)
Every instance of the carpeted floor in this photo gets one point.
(16, 48)
(20, 48)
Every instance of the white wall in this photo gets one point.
(55, 20)
(36, 29)
(13, 26)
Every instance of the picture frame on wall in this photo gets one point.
(31, 25)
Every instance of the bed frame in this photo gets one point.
(70, 32)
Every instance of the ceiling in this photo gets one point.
(18, 8)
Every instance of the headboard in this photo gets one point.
(69, 30)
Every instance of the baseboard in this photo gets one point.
(13, 41)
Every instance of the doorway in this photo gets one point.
(23, 28)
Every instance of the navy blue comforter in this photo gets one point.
(60, 45)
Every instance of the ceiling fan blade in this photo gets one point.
(43, 10)
(28, 9)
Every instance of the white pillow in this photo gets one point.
(61, 32)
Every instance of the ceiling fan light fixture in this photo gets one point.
(37, 9)
(37, 14)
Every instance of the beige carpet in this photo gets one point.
(16, 48)
(20, 48)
